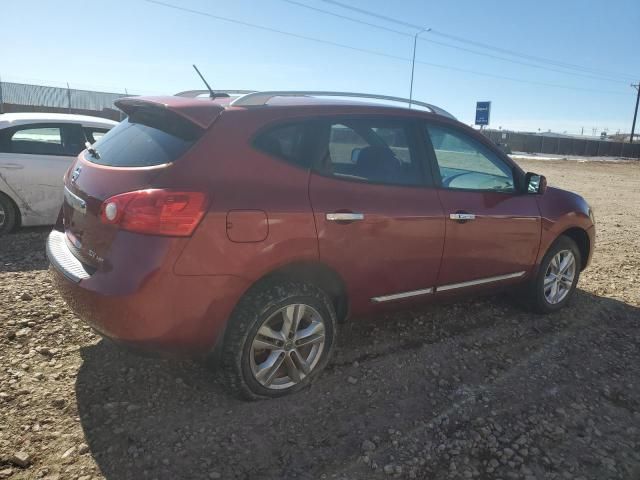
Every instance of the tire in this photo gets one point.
(540, 297)
(8, 214)
(245, 364)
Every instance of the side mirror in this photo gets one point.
(355, 153)
(535, 183)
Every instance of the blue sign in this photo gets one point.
(483, 110)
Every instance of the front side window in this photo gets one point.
(372, 150)
(36, 140)
(466, 164)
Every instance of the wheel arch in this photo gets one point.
(581, 237)
(16, 207)
(319, 274)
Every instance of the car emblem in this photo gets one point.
(75, 174)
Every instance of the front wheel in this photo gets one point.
(279, 338)
(557, 277)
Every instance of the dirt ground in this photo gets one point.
(476, 389)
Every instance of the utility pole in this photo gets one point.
(635, 113)
(413, 62)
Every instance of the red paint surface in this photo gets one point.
(178, 293)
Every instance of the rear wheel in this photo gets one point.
(279, 338)
(557, 277)
(8, 214)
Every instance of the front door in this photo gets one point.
(380, 225)
(492, 229)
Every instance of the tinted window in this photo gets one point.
(284, 141)
(465, 163)
(372, 150)
(39, 140)
(145, 138)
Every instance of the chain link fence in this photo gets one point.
(21, 97)
(557, 145)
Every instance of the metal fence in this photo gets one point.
(533, 143)
(21, 97)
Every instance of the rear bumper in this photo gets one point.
(152, 309)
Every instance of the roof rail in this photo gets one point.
(197, 93)
(252, 98)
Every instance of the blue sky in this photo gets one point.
(149, 48)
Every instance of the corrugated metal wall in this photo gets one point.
(20, 97)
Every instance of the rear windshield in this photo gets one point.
(148, 137)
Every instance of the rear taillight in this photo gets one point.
(155, 211)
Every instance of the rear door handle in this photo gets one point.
(12, 166)
(344, 217)
(462, 217)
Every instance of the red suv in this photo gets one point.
(250, 228)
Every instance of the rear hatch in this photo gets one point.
(135, 156)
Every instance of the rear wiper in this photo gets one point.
(94, 153)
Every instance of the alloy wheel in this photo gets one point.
(3, 216)
(287, 346)
(559, 277)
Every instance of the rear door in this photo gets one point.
(33, 160)
(492, 229)
(379, 223)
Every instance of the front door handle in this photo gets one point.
(11, 166)
(344, 217)
(462, 217)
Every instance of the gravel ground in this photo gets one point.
(476, 389)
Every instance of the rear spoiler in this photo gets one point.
(199, 112)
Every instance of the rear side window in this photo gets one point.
(372, 150)
(148, 137)
(38, 140)
(285, 142)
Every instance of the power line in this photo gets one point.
(475, 43)
(376, 15)
(535, 58)
(363, 50)
(532, 82)
(272, 30)
(448, 45)
(345, 17)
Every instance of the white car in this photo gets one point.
(36, 150)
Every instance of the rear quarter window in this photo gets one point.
(284, 141)
(148, 137)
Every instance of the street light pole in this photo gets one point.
(413, 62)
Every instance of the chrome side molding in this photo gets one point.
(444, 288)
(397, 296)
(480, 281)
